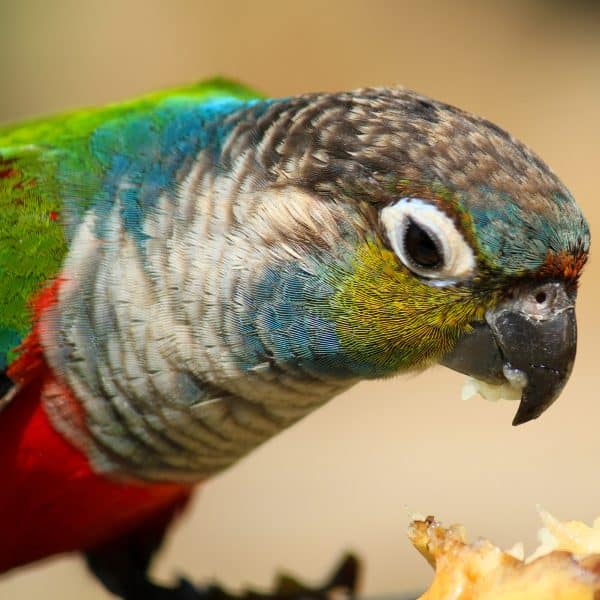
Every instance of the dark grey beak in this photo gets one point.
(532, 334)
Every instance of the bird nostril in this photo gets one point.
(540, 297)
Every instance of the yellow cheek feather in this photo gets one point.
(389, 320)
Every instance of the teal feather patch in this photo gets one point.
(516, 240)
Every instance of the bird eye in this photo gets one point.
(421, 247)
(427, 240)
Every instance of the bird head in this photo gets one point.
(458, 245)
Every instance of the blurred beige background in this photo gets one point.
(343, 477)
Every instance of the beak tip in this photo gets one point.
(531, 408)
(520, 419)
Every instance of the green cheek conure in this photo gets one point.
(186, 275)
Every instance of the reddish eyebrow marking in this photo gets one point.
(564, 265)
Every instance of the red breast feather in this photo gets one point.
(51, 500)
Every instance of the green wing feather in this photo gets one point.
(46, 163)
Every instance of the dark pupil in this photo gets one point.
(421, 248)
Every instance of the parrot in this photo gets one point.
(187, 274)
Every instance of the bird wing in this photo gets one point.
(52, 170)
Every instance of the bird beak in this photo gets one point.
(529, 340)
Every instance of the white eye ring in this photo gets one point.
(456, 258)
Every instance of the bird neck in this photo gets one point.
(187, 353)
